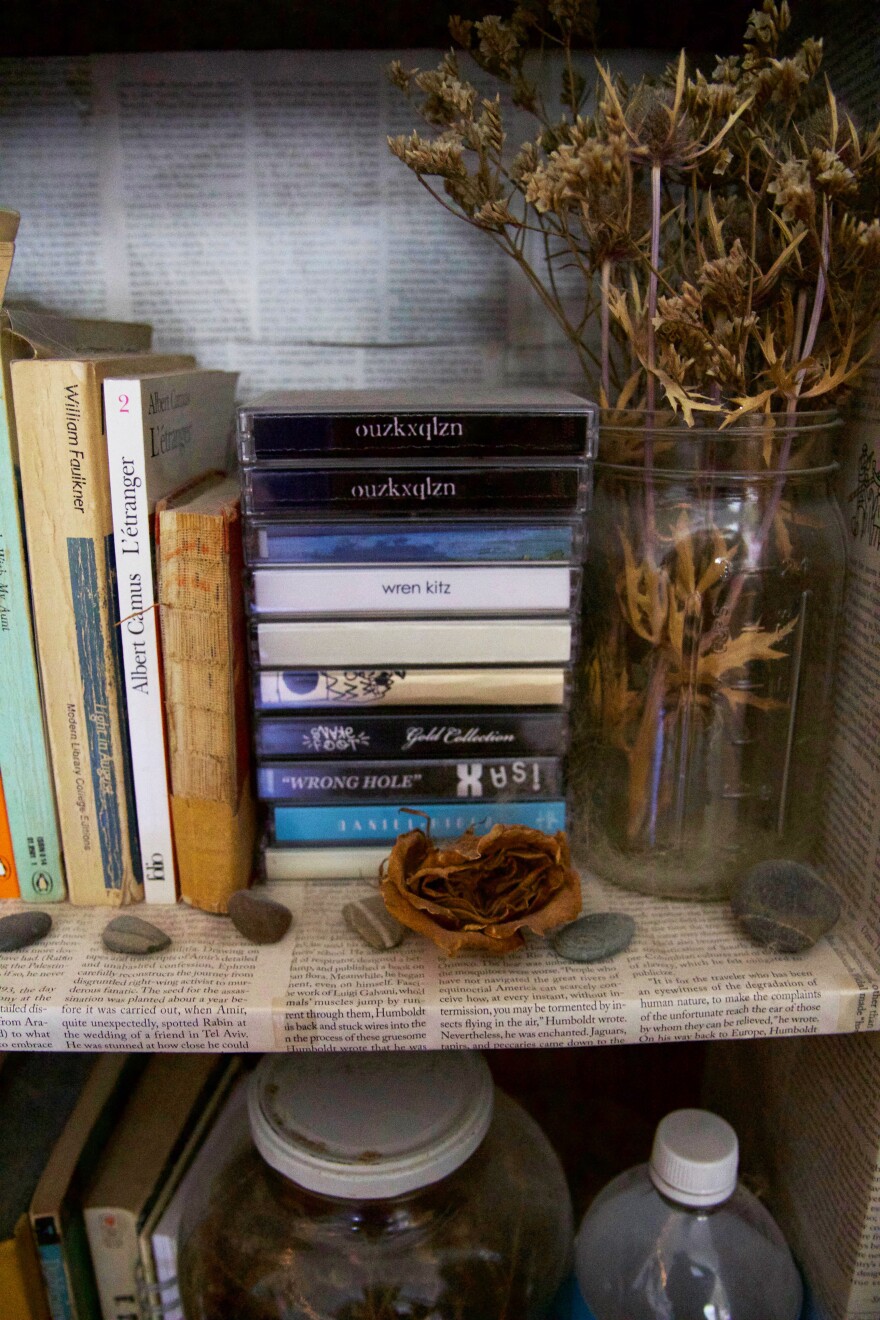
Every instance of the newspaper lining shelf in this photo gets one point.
(689, 974)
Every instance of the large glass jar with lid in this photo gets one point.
(379, 1187)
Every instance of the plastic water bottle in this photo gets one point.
(680, 1239)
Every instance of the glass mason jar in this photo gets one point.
(379, 1187)
(712, 594)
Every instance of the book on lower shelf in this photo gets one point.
(163, 431)
(56, 1206)
(37, 1093)
(210, 1143)
(147, 1142)
(69, 524)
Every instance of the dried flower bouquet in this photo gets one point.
(723, 228)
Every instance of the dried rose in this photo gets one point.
(480, 892)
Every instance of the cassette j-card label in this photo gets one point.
(502, 779)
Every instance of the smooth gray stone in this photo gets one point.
(595, 937)
(134, 935)
(260, 920)
(784, 905)
(370, 918)
(20, 929)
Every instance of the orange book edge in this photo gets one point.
(8, 874)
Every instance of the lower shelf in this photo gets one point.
(688, 975)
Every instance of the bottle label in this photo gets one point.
(569, 1304)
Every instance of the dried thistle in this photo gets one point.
(481, 892)
(748, 185)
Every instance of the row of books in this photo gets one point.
(100, 1154)
(419, 546)
(104, 445)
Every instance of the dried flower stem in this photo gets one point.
(605, 387)
(821, 286)
(652, 280)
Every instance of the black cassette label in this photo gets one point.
(431, 492)
(419, 735)
(276, 437)
(496, 780)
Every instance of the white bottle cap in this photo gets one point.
(695, 1158)
(368, 1126)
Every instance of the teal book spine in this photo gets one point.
(24, 754)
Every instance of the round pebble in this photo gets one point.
(260, 920)
(595, 937)
(134, 935)
(20, 929)
(370, 918)
(784, 905)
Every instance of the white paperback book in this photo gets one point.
(228, 1137)
(163, 431)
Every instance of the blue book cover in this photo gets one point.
(378, 824)
(24, 754)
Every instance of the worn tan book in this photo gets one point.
(206, 697)
(66, 495)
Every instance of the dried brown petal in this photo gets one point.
(480, 892)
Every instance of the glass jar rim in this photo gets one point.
(369, 1126)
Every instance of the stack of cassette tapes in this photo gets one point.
(414, 568)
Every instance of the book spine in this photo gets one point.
(113, 1242)
(266, 437)
(204, 652)
(197, 595)
(414, 642)
(352, 824)
(502, 780)
(435, 589)
(24, 752)
(340, 689)
(425, 491)
(434, 733)
(8, 874)
(66, 493)
(13, 1289)
(401, 543)
(138, 630)
(328, 863)
(55, 1280)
